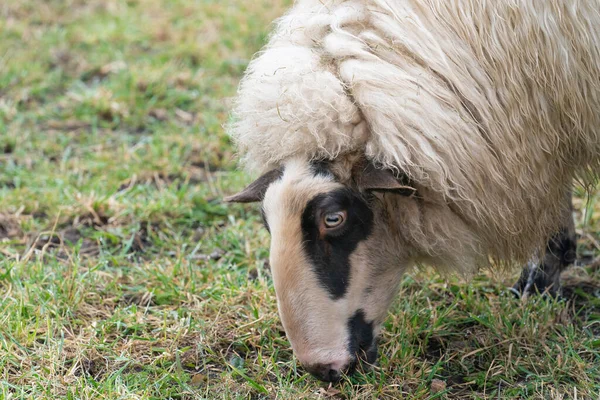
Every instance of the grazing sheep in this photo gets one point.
(445, 132)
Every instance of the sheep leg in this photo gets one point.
(543, 276)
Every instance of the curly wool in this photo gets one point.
(494, 105)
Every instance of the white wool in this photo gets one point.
(493, 104)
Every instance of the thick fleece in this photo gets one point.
(493, 106)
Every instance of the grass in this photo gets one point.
(123, 276)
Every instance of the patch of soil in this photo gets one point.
(81, 229)
(192, 360)
(252, 274)
(196, 161)
(216, 255)
(70, 233)
(67, 125)
(141, 239)
(139, 299)
(434, 349)
(65, 238)
(454, 380)
(96, 219)
(8, 184)
(98, 73)
(159, 114)
(213, 158)
(39, 214)
(190, 176)
(95, 367)
(8, 148)
(9, 227)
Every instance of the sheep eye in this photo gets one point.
(335, 219)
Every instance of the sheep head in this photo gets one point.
(335, 257)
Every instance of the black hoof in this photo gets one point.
(535, 281)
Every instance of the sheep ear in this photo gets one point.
(256, 190)
(376, 179)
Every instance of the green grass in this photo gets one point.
(123, 276)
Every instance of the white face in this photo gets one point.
(333, 277)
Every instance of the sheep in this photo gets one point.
(392, 133)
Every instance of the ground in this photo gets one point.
(124, 276)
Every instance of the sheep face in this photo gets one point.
(334, 264)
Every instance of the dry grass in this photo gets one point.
(123, 276)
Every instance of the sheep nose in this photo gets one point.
(324, 372)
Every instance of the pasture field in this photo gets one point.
(124, 276)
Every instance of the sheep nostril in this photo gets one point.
(324, 372)
(334, 375)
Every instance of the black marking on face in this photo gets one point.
(329, 250)
(320, 168)
(362, 342)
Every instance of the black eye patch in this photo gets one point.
(330, 252)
